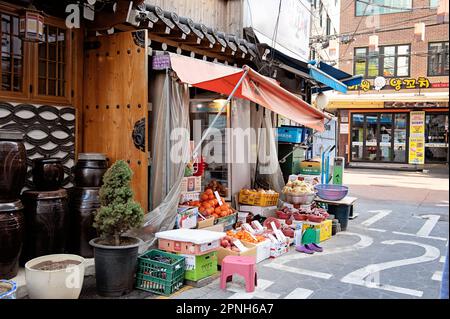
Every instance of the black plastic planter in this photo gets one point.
(115, 267)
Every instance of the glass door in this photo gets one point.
(371, 132)
(357, 122)
(386, 126)
(400, 137)
(436, 138)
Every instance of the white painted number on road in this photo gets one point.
(364, 276)
(427, 228)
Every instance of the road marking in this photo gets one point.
(444, 203)
(378, 230)
(415, 235)
(427, 228)
(360, 277)
(437, 276)
(240, 293)
(381, 214)
(299, 293)
(299, 271)
(442, 259)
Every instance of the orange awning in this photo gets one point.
(255, 87)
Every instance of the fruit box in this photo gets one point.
(186, 197)
(324, 227)
(189, 241)
(223, 252)
(191, 184)
(247, 197)
(204, 223)
(228, 221)
(186, 217)
(262, 250)
(199, 267)
(266, 211)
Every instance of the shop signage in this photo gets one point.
(417, 123)
(417, 137)
(343, 129)
(416, 150)
(402, 104)
(398, 84)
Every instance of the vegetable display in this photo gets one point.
(298, 187)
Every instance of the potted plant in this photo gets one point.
(115, 255)
(58, 276)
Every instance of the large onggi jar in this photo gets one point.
(89, 169)
(12, 227)
(13, 165)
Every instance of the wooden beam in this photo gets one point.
(185, 47)
(107, 20)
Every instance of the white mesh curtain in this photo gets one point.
(170, 155)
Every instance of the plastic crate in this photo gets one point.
(199, 267)
(158, 277)
(258, 199)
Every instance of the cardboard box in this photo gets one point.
(223, 252)
(262, 250)
(228, 221)
(191, 184)
(219, 228)
(186, 217)
(204, 223)
(259, 210)
(199, 267)
(186, 197)
(325, 228)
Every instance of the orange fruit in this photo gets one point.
(204, 197)
(201, 209)
(211, 196)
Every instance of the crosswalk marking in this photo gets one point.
(299, 293)
(437, 276)
(240, 293)
(415, 235)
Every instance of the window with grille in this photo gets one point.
(11, 72)
(390, 61)
(52, 62)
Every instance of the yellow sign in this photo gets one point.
(417, 123)
(416, 150)
(396, 84)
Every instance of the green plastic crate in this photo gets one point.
(158, 277)
(199, 267)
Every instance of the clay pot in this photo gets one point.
(46, 220)
(89, 169)
(84, 204)
(65, 283)
(13, 165)
(48, 173)
(12, 226)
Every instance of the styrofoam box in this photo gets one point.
(263, 250)
(259, 210)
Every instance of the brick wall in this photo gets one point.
(418, 66)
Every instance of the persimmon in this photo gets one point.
(210, 211)
(224, 207)
(217, 210)
(206, 205)
(201, 209)
(204, 197)
(208, 191)
(211, 196)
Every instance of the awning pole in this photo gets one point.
(194, 153)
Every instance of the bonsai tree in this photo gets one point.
(118, 212)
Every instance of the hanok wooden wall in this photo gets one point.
(224, 15)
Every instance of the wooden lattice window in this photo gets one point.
(52, 62)
(11, 72)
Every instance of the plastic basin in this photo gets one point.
(331, 192)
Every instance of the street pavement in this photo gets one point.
(394, 249)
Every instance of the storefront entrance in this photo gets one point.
(436, 137)
(379, 137)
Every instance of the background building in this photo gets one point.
(399, 113)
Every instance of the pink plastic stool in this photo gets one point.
(241, 265)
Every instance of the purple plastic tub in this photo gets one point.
(331, 192)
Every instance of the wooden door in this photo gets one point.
(115, 108)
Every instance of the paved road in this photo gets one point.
(394, 249)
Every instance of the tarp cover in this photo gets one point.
(255, 87)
